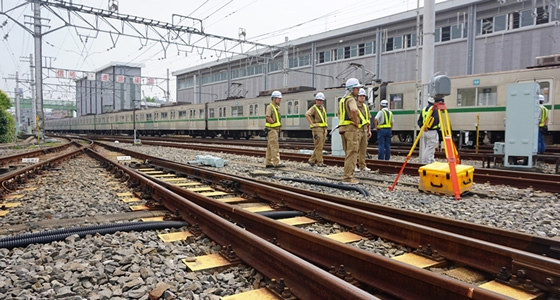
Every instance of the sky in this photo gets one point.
(264, 21)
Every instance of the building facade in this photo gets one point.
(471, 37)
(111, 89)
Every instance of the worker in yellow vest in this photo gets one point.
(273, 125)
(364, 131)
(317, 118)
(383, 123)
(348, 128)
(543, 127)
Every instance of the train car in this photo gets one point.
(476, 97)
(473, 97)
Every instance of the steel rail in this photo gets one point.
(539, 181)
(373, 270)
(305, 280)
(8, 180)
(17, 157)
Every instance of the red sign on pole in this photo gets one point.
(104, 77)
(60, 73)
(150, 81)
(72, 74)
(136, 80)
(120, 78)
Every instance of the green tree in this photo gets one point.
(149, 99)
(7, 121)
(4, 101)
(7, 127)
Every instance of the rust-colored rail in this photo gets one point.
(539, 181)
(368, 268)
(16, 158)
(305, 280)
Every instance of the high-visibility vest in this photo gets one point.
(345, 118)
(388, 118)
(364, 120)
(322, 114)
(425, 112)
(544, 115)
(277, 123)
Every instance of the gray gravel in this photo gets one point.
(124, 265)
(523, 210)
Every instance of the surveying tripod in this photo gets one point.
(450, 150)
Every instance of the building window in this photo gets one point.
(446, 33)
(340, 53)
(456, 31)
(292, 62)
(370, 48)
(437, 38)
(397, 42)
(346, 52)
(304, 60)
(410, 40)
(500, 23)
(361, 49)
(487, 26)
(389, 44)
(354, 51)
(513, 20)
(542, 16)
(527, 18)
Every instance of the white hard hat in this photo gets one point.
(384, 103)
(362, 92)
(353, 83)
(541, 99)
(430, 100)
(320, 96)
(276, 94)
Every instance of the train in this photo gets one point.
(478, 99)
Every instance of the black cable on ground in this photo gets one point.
(333, 185)
(69, 230)
(280, 214)
(47, 238)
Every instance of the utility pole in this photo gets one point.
(32, 84)
(167, 93)
(18, 116)
(40, 118)
(429, 24)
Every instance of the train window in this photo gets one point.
(545, 90)
(396, 101)
(310, 103)
(296, 107)
(182, 114)
(289, 107)
(201, 113)
(466, 97)
(487, 96)
(211, 113)
(164, 116)
(256, 109)
(148, 117)
(236, 111)
(225, 111)
(250, 109)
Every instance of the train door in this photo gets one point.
(291, 117)
(222, 122)
(254, 114)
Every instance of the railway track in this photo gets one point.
(539, 181)
(400, 149)
(513, 265)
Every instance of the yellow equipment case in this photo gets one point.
(435, 178)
